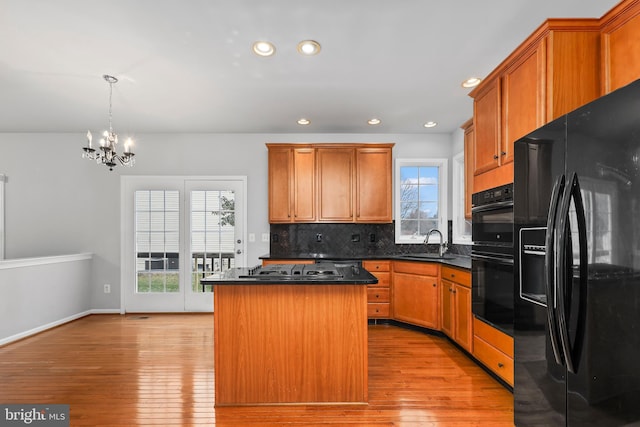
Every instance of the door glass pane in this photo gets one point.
(157, 241)
(212, 234)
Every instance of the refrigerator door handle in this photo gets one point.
(565, 273)
(550, 269)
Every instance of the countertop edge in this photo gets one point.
(460, 261)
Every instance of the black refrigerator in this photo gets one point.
(577, 267)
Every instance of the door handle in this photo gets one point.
(565, 273)
(550, 268)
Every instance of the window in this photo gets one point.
(461, 225)
(421, 199)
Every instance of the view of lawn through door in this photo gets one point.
(157, 241)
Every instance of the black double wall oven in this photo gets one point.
(492, 257)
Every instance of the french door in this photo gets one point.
(175, 231)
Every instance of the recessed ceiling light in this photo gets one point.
(264, 48)
(430, 124)
(309, 47)
(471, 82)
(374, 121)
(304, 122)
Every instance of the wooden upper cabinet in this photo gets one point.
(522, 99)
(291, 184)
(304, 184)
(374, 185)
(330, 183)
(620, 41)
(280, 184)
(335, 169)
(486, 119)
(552, 72)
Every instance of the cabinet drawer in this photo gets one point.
(373, 266)
(421, 268)
(493, 359)
(384, 278)
(378, 295)
(499, 340)
(457, 275)
(378, 310)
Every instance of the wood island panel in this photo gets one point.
(279, 343)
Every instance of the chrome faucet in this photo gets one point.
(443, 246)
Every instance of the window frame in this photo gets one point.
(2, 233)
(458, 194)
(442, 164)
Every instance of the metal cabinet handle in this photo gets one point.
(504, 153)
(500, 365)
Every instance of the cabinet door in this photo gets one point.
(280, 184)
(304, 188)
(463, 326)
(416, 299)
(373, 185)
(335, 184)
(522, 100)
(486, 119)
(621, 56)
(448, 308)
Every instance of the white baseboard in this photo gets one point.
(25, 334)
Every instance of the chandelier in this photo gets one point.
(107, 154)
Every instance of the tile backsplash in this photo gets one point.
(345, 241)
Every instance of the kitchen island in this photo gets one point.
(290, 334)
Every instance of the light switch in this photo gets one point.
(252, 237)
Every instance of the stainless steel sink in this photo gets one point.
(428, 256)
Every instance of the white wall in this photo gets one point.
(38, 293)
(58, 203)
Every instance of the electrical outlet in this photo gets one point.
(318, 237)
(265, 238)
(252, 237)
(107, 288)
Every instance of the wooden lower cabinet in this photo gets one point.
(456, 306)
(416, 293)
(378, 295)
(494, 349)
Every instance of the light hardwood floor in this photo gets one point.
(157, 369)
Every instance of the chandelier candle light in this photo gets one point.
(107, 154)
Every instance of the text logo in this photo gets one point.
(34, 415)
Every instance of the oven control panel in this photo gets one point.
(502, 193)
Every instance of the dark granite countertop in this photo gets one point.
(244, 276)
(460, 261)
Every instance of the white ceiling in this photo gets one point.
(187, 65)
